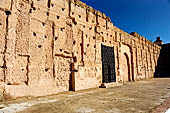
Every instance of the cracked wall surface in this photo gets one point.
(51, 46)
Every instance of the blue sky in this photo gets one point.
(150, 18)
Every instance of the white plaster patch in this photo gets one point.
(13, 108)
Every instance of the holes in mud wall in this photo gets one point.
(94, 46)
(79, 16)
(34, 8)
(22, 69)
(101, 32)
(0, 24)
(110, 42)
(110, 35)
(47, 13)
(62, 9)
(58, 17)
(56, 38)
(86, 36)
(84, 26)
(34, 34)
(94, 37)
(92, 21)
(52, 5)
(107, 34)
(46, 69)
(62, 29)
(72, 13)
(7, 12)
(88, 45)
(74, 42)
(61, 50)
(43, 24)
(39, 46)
(45, 36)
(90, 28)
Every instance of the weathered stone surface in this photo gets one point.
(50, 46)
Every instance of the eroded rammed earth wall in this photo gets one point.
(50, 46)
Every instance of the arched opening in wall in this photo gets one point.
(108, 64)
(127, 68)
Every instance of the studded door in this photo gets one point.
(108, 64)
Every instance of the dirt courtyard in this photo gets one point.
(132, 97)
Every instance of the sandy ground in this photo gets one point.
(146, 96)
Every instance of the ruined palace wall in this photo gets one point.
(50, 46)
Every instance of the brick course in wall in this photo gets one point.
(51, 46)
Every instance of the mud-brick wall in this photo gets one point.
(51, 46)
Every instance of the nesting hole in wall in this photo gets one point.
(62, 9)
(47, 13)
(110, 42)
(9, 84)
(80, 44)
(43, 24)
(72, 13)
(88, 45)
(90, 28)
(58, 17)
(84, 26)
(52, 5)
(79, 16)
(105, 40)
(39, 46)
(101, 32)
(86, 36)
(84, 53)
(110, 35)
(46, 69)
(34, 34)
(94, 46)
(107, 34)
(45, 36)
(104, 26)
(34, 8)
(22, 69)
(61, 50)
(92, 21)
(94, 37)
(56, 38)
(0, 23)
(7, 12)
(62, 29)
(74, 42)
